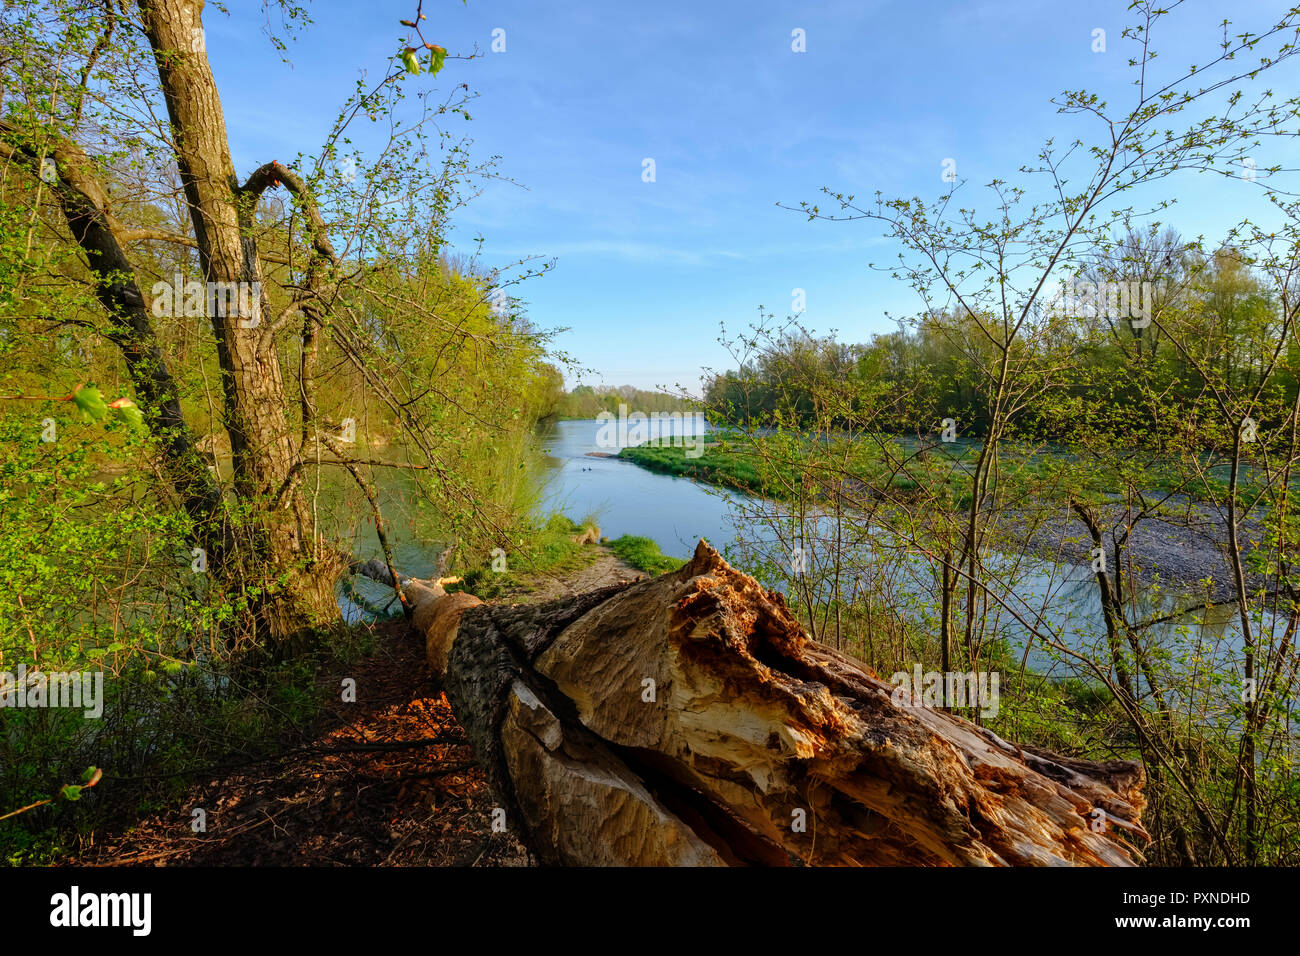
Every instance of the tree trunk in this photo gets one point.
(85, 205)
(252, 380)
(689, 720)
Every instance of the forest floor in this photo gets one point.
(387, 781)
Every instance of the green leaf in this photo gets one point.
(412, 64)
(125, 410)
(70, 792)
(436, 57)
(91, 776)
(90, 403)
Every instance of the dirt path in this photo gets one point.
(387, 781)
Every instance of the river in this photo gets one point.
(676, 512)
(624, 498)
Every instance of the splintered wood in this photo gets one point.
(689, 720)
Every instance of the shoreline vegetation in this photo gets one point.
(898, 463)
(1176, 552)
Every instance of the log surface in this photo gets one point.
(689, 720)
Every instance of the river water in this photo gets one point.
(624, 498)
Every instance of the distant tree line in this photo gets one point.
(587, 401)
(1190, 312)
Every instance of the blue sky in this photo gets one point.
(736, 121)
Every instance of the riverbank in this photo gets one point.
(1182, 546)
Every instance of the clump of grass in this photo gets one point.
(551, 549)
(644, 554)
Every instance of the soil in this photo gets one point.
(387, 781)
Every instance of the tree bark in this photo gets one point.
(252, 380)
(689, 720)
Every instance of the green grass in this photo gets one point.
(730, 469)
(550, 550)
(942, 474)
(739, 467)
(644, 554)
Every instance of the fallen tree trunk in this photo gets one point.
(688, 720)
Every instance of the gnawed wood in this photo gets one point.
(589, 535)
(689, 720)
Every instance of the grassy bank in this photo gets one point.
(550, 549)
(716, 466)
(644, 554)
(935, 471)
(776, 473)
